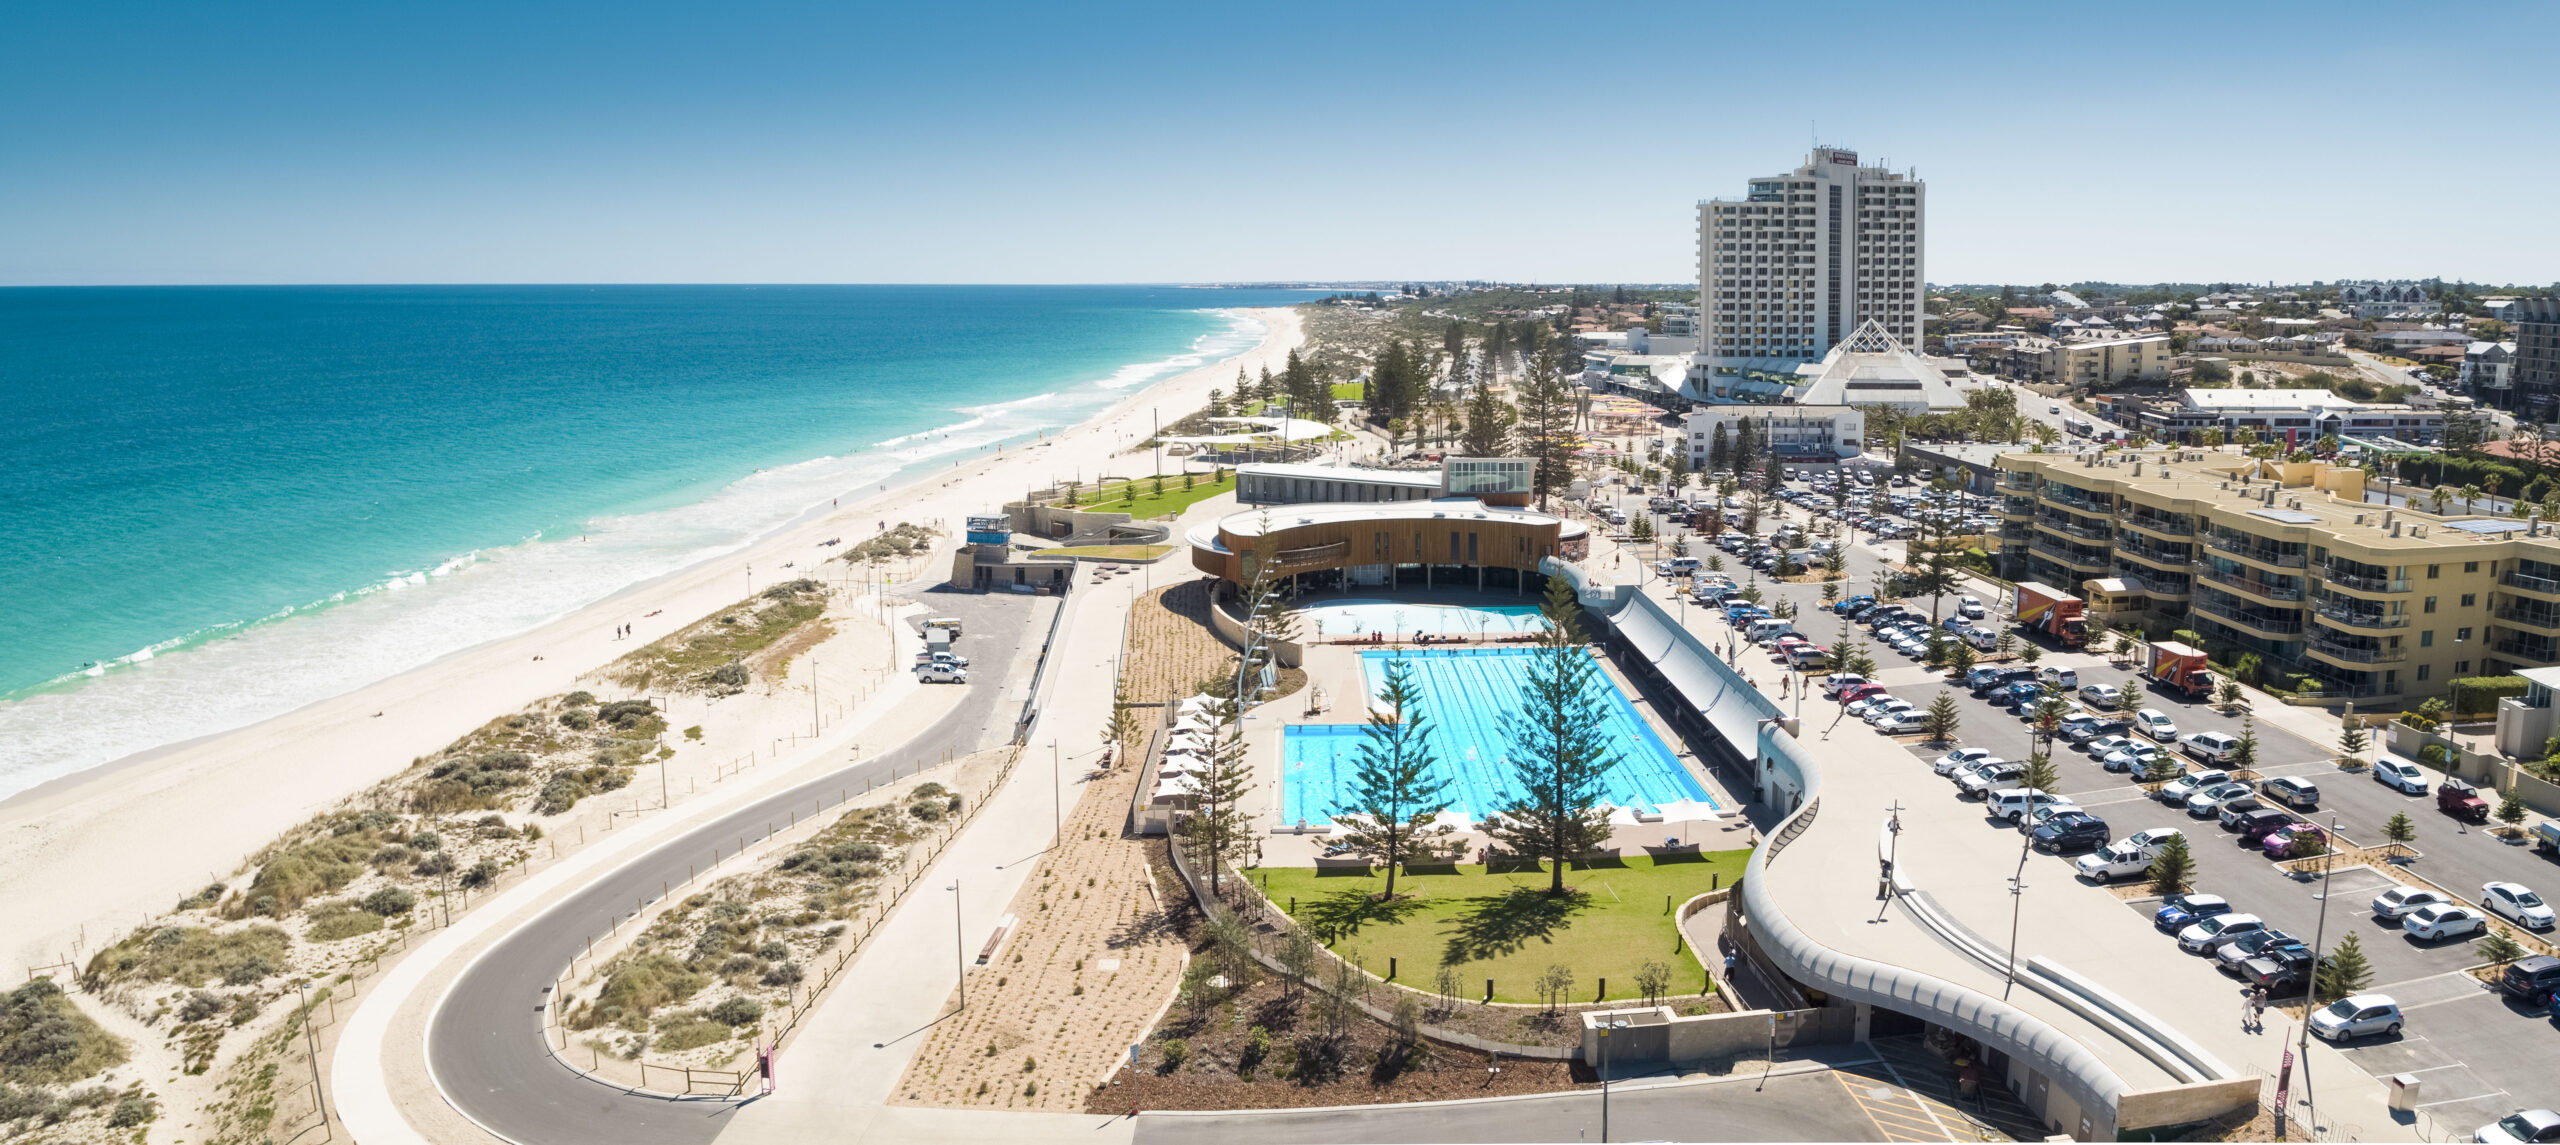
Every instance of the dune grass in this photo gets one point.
(1500, 924)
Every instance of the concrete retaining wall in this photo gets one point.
(2185, 1104)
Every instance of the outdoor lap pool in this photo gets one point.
(1354, 617)
(1464, 693)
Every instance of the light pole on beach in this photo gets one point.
(959, 945)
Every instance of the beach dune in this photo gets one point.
(91, 854)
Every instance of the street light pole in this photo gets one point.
(2319, 932)
(2017, 900)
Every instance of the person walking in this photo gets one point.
(2258, 1010)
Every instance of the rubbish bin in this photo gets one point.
(2404, 1092)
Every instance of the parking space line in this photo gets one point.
(2441, 1001)
(2459, 1100)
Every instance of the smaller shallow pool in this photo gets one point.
(1353, 616)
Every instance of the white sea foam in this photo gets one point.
(234, 674)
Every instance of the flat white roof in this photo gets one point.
(1249, 523)
(1414, 478)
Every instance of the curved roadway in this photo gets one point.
(485, 1040)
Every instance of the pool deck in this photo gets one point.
(1334, 671)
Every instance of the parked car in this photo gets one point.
(1981, 782)
(2134, 757)
(2121, 860)
(2177, 912)
(2156, 724)
(2523, 1127)
(1960, 757)
(2206, 935)
(2442, 921)
(2395, 904)
(2403, 777)
(2175, 792)
(2535, 979)
(2067, 832)
(1857, 692)
(1884, 707)
(2299, 794)
(2251, 827)
(2281, 842)
(2016, 803)
(2102, 695)
(2355, 1016)
(2282, 970)
(1834, 685)
(2515, 903)
(2208, 802)
(1902, 722)
(2058, 677)
(2239, 951)
(942, 673)
(2210, 747)
(1970, 607)
(2099, 747)
(2462, 801)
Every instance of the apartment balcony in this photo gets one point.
(2547, 619)
(2534, 584)
(2157, 584)
(2179, 562)
(2350, 653)
(2338, 578)
(2230, 611)
(2164, 526)
(2066, 497)
(2345, 617)
(2017, 507)
(2097, 533)
(2531, 653)
(2066, 554)
(2257, 588)
(2241, 547)
(2014, 481)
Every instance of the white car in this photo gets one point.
(2210, 801)
(2119, 861)
(1960, 757)
(2523, 1127)
(1860, 708)
(2099, 747)
(2156, 724)
(2441, 921)
(2207, 936)
(2105, 696)
(2176, 791)
(2396, 903)
(2355, 1016)
(2402, 777)
(1901, 723)
(1834, 685)
(1890, 708)
(1983, 780)
(942, 673)
(1970, 607)
(2517, 904)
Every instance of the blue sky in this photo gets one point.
(960, 142)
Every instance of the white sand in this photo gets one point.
(85, 856)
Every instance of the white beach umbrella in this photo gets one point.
(1689, 811)
(1622, 816)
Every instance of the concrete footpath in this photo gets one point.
(836, 1076)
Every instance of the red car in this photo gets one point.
(2460, 800)
(1862, 691)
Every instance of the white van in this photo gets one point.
(1768, 628)
(2210, 747)
(1677, 566)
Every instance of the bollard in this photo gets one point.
(1391, 969)
(1293, 904)
(1666, 904)
(1602, 992)
(1714, 878)
(1488, 989)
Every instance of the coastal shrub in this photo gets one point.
(739, 964)
(199, 1006)
(388, 901)
(481, 874)
(784, 974)
(338, 918)
(688, 1032)
(732, 675)
(791, 588)
(186, 955)
(929, 812)
(737, 1011)
(773, 951)
(580, 699)
(211, 894)
(560, 792)
(577, 720)
(642, 985)
(435, 864)
(45, 1040)
(130, 1112)
(928, 790)
(426, 841)
(626, 714)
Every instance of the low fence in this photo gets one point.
(1269, 927)
(801, 1000)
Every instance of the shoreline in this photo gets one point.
(105, 844)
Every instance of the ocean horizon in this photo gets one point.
(229, 502)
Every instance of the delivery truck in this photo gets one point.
(2049, 610)
(2179, 668)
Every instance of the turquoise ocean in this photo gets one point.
(220, 504)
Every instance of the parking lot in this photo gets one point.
(2478, 1056)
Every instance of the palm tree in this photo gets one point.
(2442, 495)
(2470, 493)
(2214, 437)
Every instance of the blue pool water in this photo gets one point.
(1464, 693)
(1356, 617)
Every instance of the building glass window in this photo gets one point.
(2471, 566)
(2470, 599)
(2431, 604)
(2427, 639)
(2422, 670)
(2461, 634)
(2432, 570)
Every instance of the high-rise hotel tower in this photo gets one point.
(1800, 264)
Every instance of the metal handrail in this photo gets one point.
(2530, 583)
(2361, 619)
(2522, 651)
(2260, 554)
(2374, 655)
(2083, 532)
(2362, 582)
(2255, 587)
(2054, 548)
(2239, 616)
(2160, 524)
(2539, 618)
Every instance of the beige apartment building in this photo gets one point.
(2288, 560)
(2106, 361)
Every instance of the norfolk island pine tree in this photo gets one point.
(1559, 751)
(1392, 789)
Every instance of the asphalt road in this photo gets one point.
(1790, 1107)
(485, 1042)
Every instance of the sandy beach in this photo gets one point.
(85, 856)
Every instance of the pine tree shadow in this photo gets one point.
(1343, 913)
(1494, 925)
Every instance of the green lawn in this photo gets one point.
(1114, 498)
(1501, 925)
(1351, 391)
